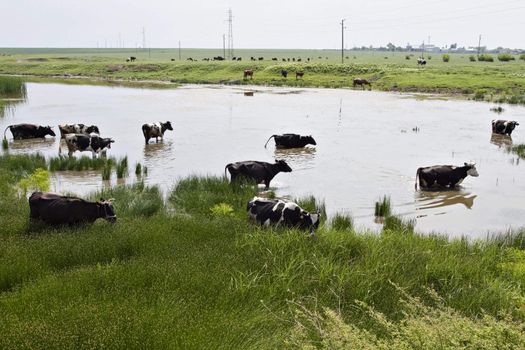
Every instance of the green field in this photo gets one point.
(389, 71)
(192, 273)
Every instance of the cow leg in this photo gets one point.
(267, 184)
(147, 139)
(157, 139)
(94, 154)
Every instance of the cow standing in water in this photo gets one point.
(291, 141)
(155, 130)
(503, 127)
(29, 131)
(92, 143)
(77, 129)
(54, 209)
(448, 176)
(277, 212)
(261, 172)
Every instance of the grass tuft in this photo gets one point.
(383, 207)
(342, 222)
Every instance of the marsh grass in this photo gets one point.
(383, 207)
(83, 163)
(106, 171)
(342, 222)
(122, 168)
(5, 144)
(186, 278)
(138, 169)
(12, 87)
(519, 150)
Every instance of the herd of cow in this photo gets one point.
(54, 209)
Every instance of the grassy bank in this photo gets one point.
(490, 81)
(12, 89)
(183, 274)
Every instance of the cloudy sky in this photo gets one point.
(260, 23)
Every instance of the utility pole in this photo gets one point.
(179, 51)
(224, 45)
(143, 38)
(479, 46)
(230, 33)
(342, 39)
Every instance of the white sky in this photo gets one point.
(260, 23)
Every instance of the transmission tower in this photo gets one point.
(230, 34)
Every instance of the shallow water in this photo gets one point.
(366, 145)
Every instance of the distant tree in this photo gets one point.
(391, 47)
(454, 46)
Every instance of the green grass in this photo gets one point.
(178, 274)
(503, 81)
(383, 207)
(519, 150)
(77, 164)
(12, 87)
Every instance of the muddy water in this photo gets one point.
(366, 146)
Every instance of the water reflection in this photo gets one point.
(502, 141)
(155, 151)
(439, 199)
(297, 158)
(32, 145)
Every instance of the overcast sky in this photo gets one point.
(260, 23)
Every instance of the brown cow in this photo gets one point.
(362, 82)
(299, 75)
(248, 73)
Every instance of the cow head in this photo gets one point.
(283, 166)
(512, 124)
(310, 220)
(471, 169)
(106, 206)
(47, 130)
(107, 142)
(168, 126)
(92, 128)
(310, 140)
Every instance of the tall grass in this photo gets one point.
(519, 150)
(122, 167)
(77, 164)
(182, 275)
(12, 87)
(383, 207)
(5, 144)
(342, 222)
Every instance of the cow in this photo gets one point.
(261, 172)
(291, 141)
(54, 209)
(362, 82)
(81, 142)
(503, 127)
(284, 73)
(299, 75)
(421, 61)
(277, 212)
(248, 73)
(155, 130)
(29, 131)
(444, 175)
(77, 129)
(131, 59)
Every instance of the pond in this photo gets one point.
(366, 145)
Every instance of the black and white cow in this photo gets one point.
(155, 130)
(503, 127)
(444, 175)
(291, 141)
(261, 172)
(91, 143)
(29, 131)
(277, 212)
(77, 129)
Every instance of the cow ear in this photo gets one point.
(465, 164)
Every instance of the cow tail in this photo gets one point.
(226, 168)
(6, 130)
(268, 140)
(417, 177)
